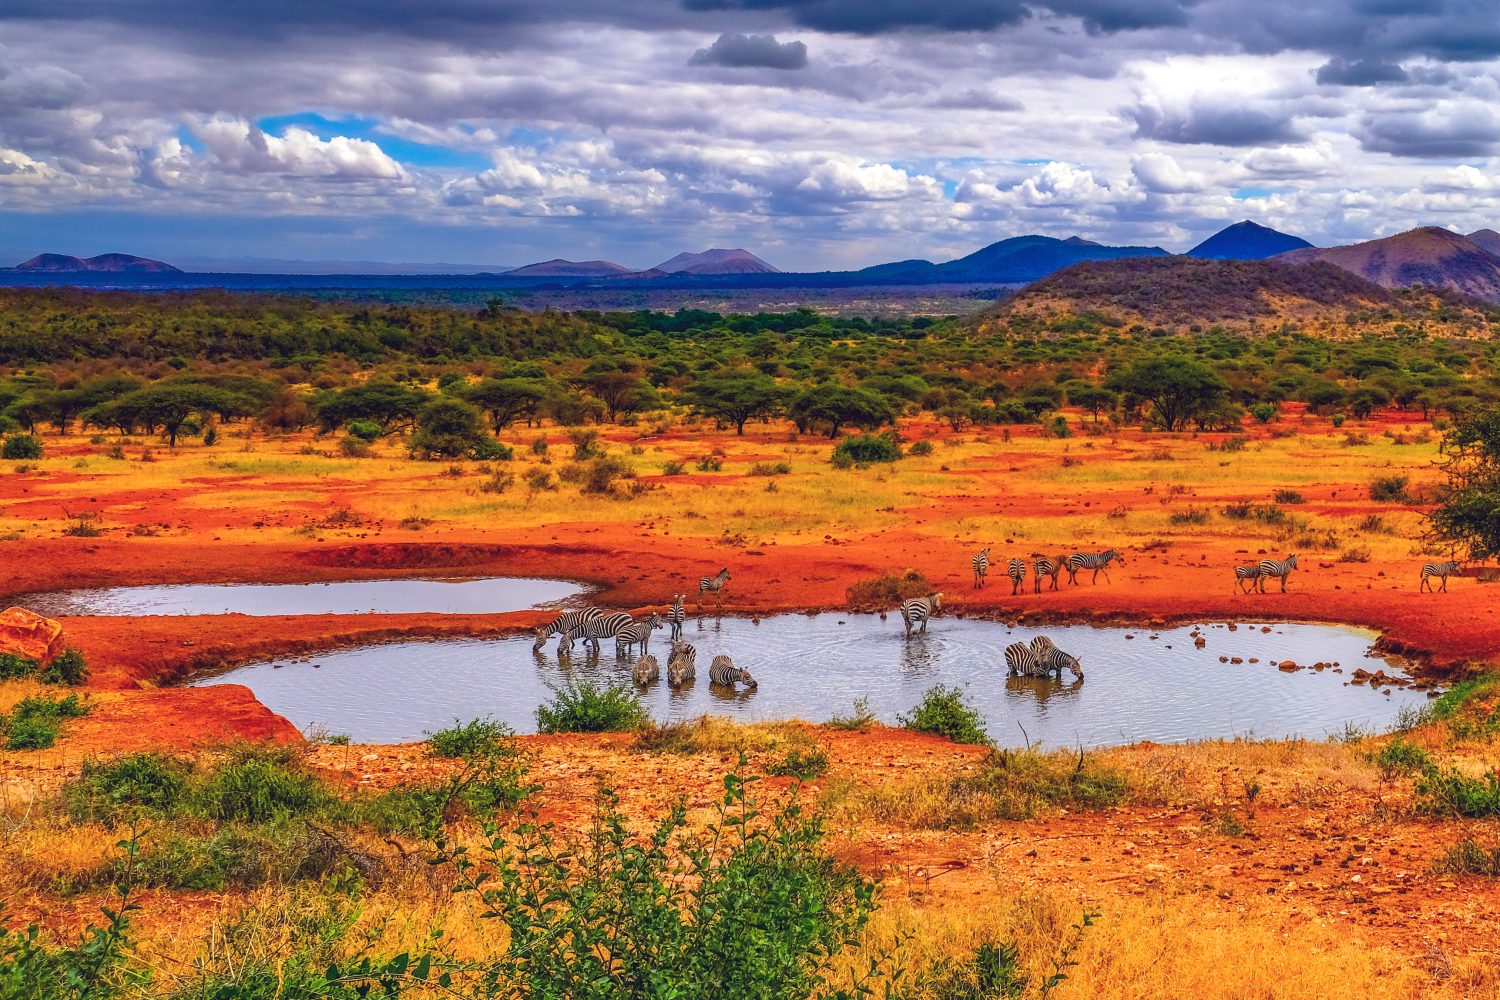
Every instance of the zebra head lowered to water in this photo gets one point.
(563, 624)
(722, 671)
(1040, 659)
(637, 634)
(682, 665)
(916, 610)
(646, 671)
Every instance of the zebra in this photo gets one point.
(1016, 570)
(722, 671)
(562, 624)
(1044, 566)
(1026, 661)
(713, 583)
(676, 615)
(1275, 568)
(595, 629)
(1245, 576)
(646, 671)
(682, 665)
(981, 567)
(919, 609)
(1041, 645)
(636, 634)
(1096, 561)
(1442, 570)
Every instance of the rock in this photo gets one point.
(1235, 659)
(1200, 642)
(1223, 659)
(30, 636)
(1289, 666)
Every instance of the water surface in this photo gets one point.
(1139, 684)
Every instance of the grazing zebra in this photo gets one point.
(646, 671)
(1281, 568)
(1016, 570)
(919, 609)
(1047, 567)
(1096, 561)
(722, 671)
(713, 583)
(1439, 570)
(676, 615)
(1025, 661)
(595, 629)
(562, 624)
(682, 665)
(981, 567)
(1245, 576)
(636, 634)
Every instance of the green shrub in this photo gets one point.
(245, 856)
(69, 667)
(21, 447)
(862, 717)
(1390, 489)
(1469, 857)
(1447, 792)
(15, 668)
(920, 448)
(1401, 757)
(257, 784)
(469, 739)
(770, 469)
(867, 449)
(1288, 496)
(991, 972)
(945, 711)
(1193, 515)
(672, 468)
(365, 430)
(35, 723)
(801, 762)
(585, 707)
(104, 792)
(1263, 412)
(353, 447)
(887, 590)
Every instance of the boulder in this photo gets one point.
(29, 635)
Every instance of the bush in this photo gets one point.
(990, 972)
(800, 762)
(104, 792)
(1193, 515)
(469, 739)
(365, 430)
(21, 447)
(1451, 793)
(920, 448)
(257, 784)
(672, 468)
(354, 447)
(866, 449)
(1401, 757)
(1288, 496)
(34, 723)
(69, 667)
(1469, 857)
(585, 707)
(887, 590)
(1263, 412)
(862, 717)
(944, 711)
(1390, 489)
(14, 668)
(770, 469)
(599, 475)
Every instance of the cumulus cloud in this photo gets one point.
(1343, 72)
(1451, 130)
(1160, 173)
(742, 51)
(240, 147)
(1213, 122)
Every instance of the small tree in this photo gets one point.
(736, 398)
(1095, 399)
(1176, 388)
(1467, 516)
(22, 447)
(832, 406)
(452, 428)
(507, 400)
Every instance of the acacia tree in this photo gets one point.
(737, 398)
(1094, 398)
(385, 403)
(507, 400)
(166, 405)
(622, 392)
(1467, 516)
(832, 406)
(1177, 388)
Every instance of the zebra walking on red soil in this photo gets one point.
(981, 567)
(1439, 570)
(1245, 577)
(1016, 570)
(1278, 569)
(1044, 566)
(1096, 561)
(713, 583)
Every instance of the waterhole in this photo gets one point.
(1139, 684)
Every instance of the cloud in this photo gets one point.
(1446, 131)
(239, 147)
(742, 51)
(1342, 72)
(1214, 122)
(1160, 173)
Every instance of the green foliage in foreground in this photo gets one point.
(945, 711)
(586, 707)
(35, 723)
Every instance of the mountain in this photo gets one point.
(717, 262)
(1487, 240)
(559, 268)
(1012, 261)
(103, 262)
(1246, 241)
(1187, 295)
(1428, 256)
(279, 265)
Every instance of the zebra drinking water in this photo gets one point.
(636, 634)
(646, 671)
(1016, 570)
(981, 567)
(682, 665)
(1044, 566)
(1245, 576)
(562, 624)
(713, 583)
(1026, 661)
(919, 609)
(1277, 568)
(1440, 570)
(1096, 561)
(676, 615)
(594, 629)
(723, 672)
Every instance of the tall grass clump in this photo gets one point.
(35, 723)
(106, 792)
(260, 783)
(586, 707)
(945, 711)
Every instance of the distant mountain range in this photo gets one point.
(709, 262)
(110, 262)
(1427, 256)
(1246, 241)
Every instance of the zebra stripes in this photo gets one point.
(1096, 561)
(594, 629)
(682, 665)
(1277, 568)
(1044, 566)
(915, 610)
(636, 634)
(724, 673)
(1016, 570)
(713, 583)
(562, 624)
(646, 671)
(1030, 661)
(1245, 577)
(1440, 570)
(981, 567)
(676, 615)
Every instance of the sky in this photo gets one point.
(816, 133)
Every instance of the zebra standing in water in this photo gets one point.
(1016, 570)
(1044, 566)
(1245, 577)
(591, 631)
(981, 567)
(919, 609)
(1026, 661)
(562, 624)
(682, 665)
(1096, 561)
(1279, 568)
(646, 671)
(676, 615)
(636, 634)
(723, 672)
(1440, 570)
(713, 583)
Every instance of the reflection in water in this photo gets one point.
(814, 667)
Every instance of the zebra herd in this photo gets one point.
(593, 624)
(1047, 567)
(1254, 575)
